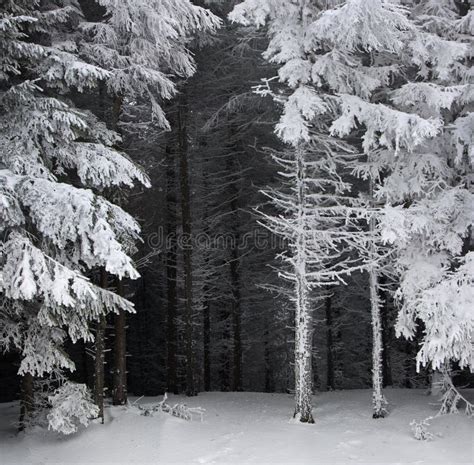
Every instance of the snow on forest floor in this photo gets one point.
(254, 428)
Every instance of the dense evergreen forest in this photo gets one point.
(270, 196)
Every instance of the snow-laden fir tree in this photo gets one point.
(417, 126)
(318, 215)
(430, 195)
(54, 160)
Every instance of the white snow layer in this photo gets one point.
(254, 428)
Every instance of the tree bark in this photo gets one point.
(27, 400)
(269, 387)
(120, 354)
(187, 242)
(225, 343)
(303, 316)
(207, 344)
(378, 400)
(236, 322)
(100, 355)
(386, 328)
(330, 379)
(99, 366)
(171, 264)
(119, 391)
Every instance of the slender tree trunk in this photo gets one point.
(207, 343)
(386, 327)
(225, 342)
(99, 360)
(187, 243)
(120, 354)
(303, 358)
(303, 316)
(171, 269)
(330, 380)
(27, 400)
(236, 321)
(378, 400)
(99, 366)
(119, 391)
(266, 357)
(377, 348)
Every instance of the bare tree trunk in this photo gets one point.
(330, 379)
(266, 357)
(171, 270)
(378, 399)
(225, 342)
(207, 343)
(99, 366)
(120, 354)
(303, 356)
(27, 400)
(187, 243)
(386, 327)
(119, 389)
(303, 316)
(99, 359)
(236, 321)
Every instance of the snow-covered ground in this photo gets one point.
(241, 428)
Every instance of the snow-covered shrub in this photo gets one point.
(71, 405)
(420, 430)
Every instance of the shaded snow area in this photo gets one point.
(241, 428)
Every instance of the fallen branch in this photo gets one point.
(178, 410)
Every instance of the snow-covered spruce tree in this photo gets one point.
(318, 216)
(144, 45)
(54, 159)
(429, 220)
(418, 137)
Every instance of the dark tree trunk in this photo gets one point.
(236, 321)
(171, 264)
(187, 238)
(100, 355)
(207, 343)
(120, 337)
(386, 336)
(27, 400)
(225, 343)
(269, 385)
(120, 354)
(99, 366)
(330, 380)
